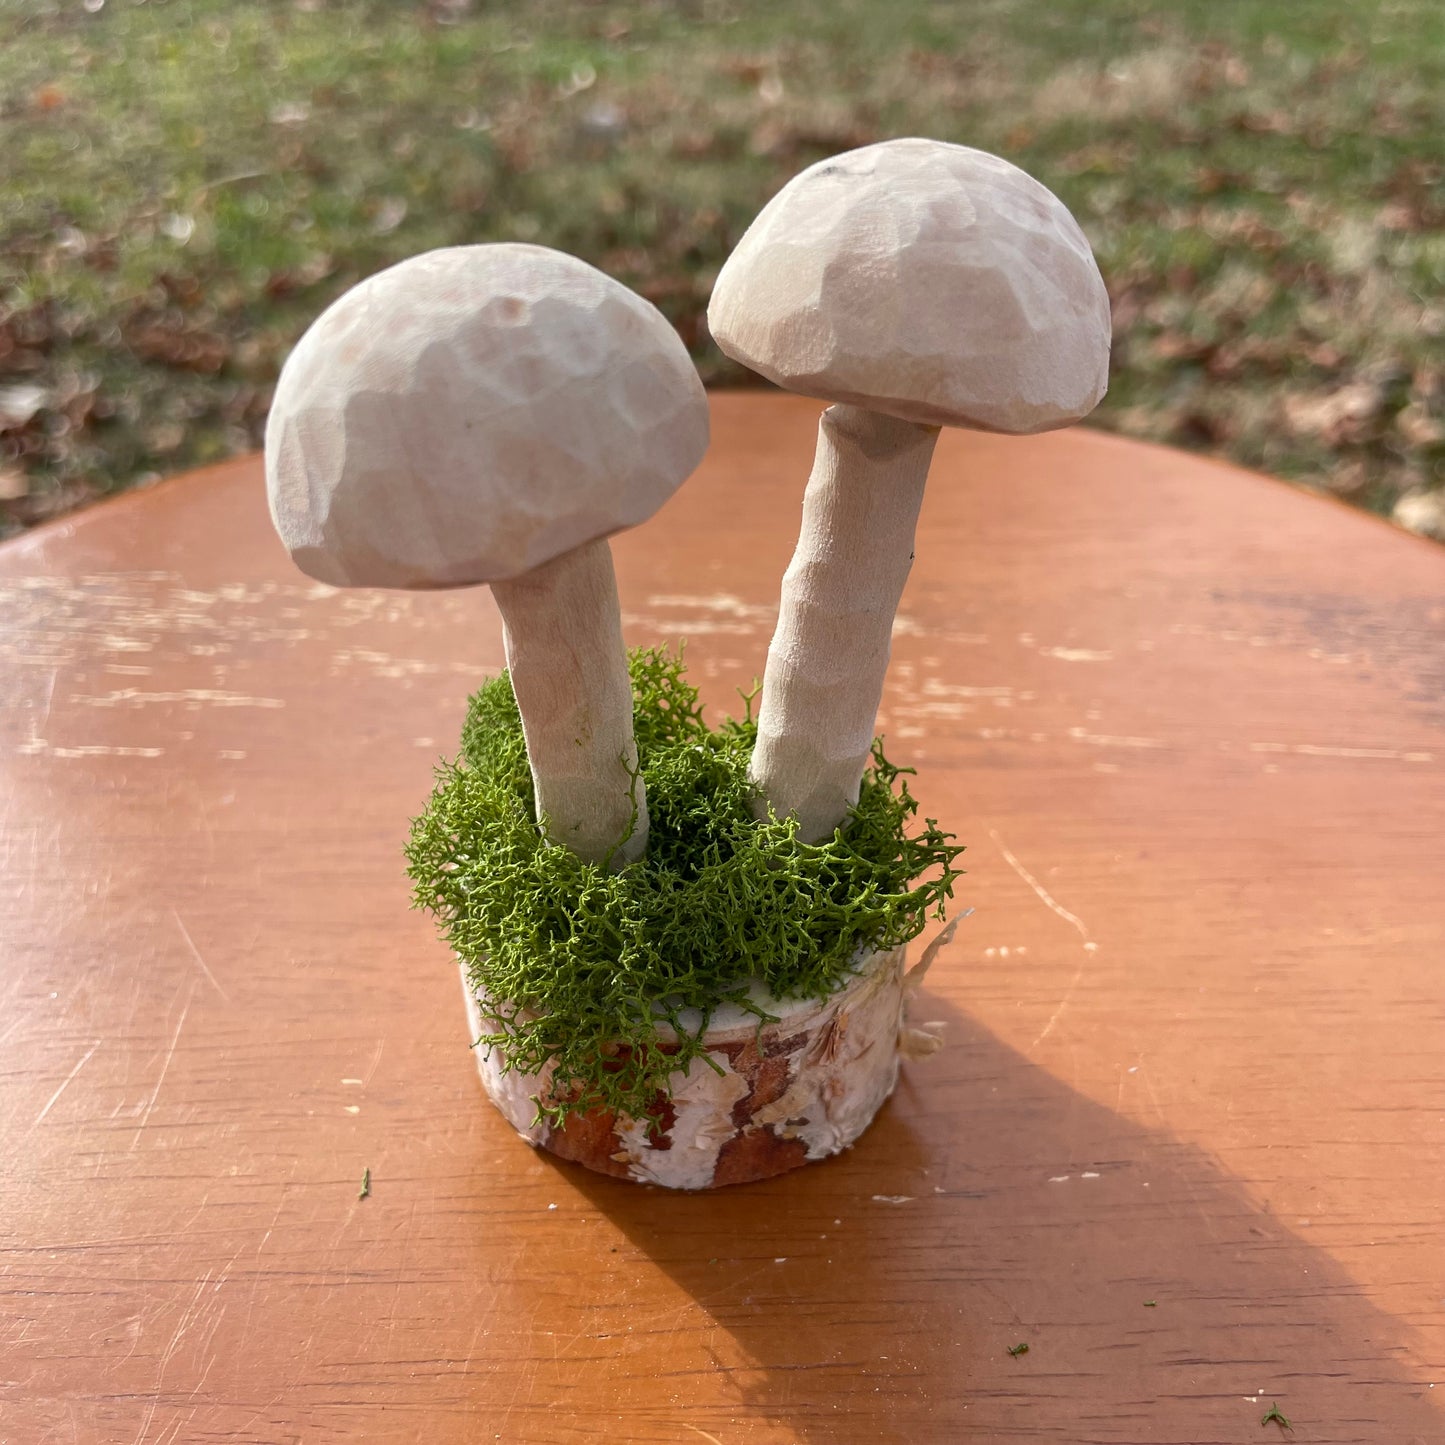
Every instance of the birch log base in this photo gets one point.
(765, 1100)
(1191, 723)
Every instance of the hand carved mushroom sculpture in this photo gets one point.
(915, 284)
(491, 414)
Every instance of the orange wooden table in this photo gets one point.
(1185, 1140)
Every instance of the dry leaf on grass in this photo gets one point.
(1337, 416)
(19, 405)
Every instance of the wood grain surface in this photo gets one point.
(1186, 1140)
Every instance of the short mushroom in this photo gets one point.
(915, 284)
(490, 414)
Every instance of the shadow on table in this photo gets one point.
(876, 1297)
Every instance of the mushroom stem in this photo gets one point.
(563, 635)
(824, 675)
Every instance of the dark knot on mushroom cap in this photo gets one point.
(473, 413)
(930, 281)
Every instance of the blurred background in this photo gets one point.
(187, 183)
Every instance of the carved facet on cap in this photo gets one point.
(930, 281)
(472, 413)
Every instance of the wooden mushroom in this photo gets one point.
(915, 284)
(491, 414)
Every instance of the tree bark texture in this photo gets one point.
(799, 1089)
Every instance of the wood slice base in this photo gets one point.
(799, 1089)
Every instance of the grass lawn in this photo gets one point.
(188, 182)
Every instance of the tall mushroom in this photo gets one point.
(915, 284)
(491, 414)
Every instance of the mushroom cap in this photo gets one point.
(926, 280)
(474, 412)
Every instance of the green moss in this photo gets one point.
(583, 965)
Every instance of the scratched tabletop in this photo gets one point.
(1186, 1140)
